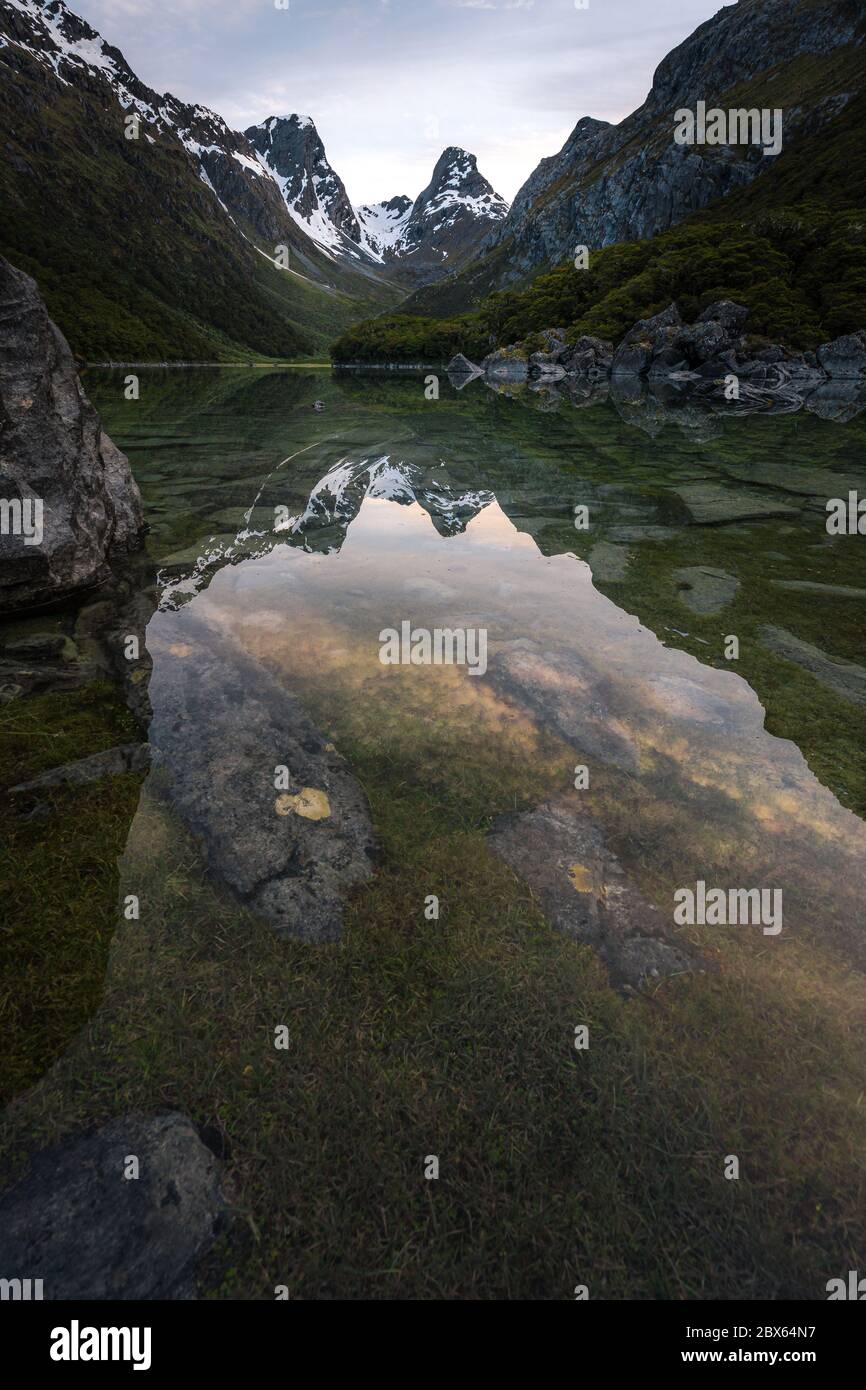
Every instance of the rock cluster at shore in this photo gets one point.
(709, 354)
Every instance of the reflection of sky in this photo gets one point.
(390, 83)
(702, 765)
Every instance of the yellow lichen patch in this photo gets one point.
(581, 878)
(309, 802)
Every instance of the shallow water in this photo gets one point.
(297, 537)
(287, 541)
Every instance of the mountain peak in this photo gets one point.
(457, 182)
(291, 149)
(454, 166)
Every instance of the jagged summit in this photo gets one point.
(291, 150)
(443, 227)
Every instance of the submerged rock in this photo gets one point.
(572, 697)
(713, 504)
(112, 762)
(843, 677)
(608, 562)
(56, 458)
(41, 646)
(583, 890)
(222, 726)
(88, 1231)
(706, 590)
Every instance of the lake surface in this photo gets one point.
(607, 553)
(609, 751)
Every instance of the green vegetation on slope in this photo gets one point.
(801, 271)
(134, 258)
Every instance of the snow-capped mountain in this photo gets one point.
(383, 224)
(416, 241)
(291, 152)
(174, 217)
(445, 225)
(74, 53)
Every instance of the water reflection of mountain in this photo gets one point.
(699, 523)
(332, 504)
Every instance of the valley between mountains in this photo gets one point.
(157, 233)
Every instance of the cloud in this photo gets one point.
(390, 83)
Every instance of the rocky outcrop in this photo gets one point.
(713, 356)
(507, 364)
(845, 357)
(592, 357)
(90, 1227)
(69, 501)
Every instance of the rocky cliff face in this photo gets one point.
(291, 149)
(626, 182)
(612, 183)
(69, 500)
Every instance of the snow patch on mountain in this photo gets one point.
(383, 225)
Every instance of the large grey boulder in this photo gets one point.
(730, 315)
(632, 359)
(647, 338)
(707, 339)
(589, 356)
(845, 357)
(82, 1224)
(53, 451)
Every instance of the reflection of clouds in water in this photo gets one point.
(590, 669)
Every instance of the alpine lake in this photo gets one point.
(609, 544)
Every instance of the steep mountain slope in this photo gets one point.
(632, 181)
(151, 227)
(414, 242)
(291, 149)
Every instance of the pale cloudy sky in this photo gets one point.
(390, 83)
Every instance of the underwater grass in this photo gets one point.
(456, 1038)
